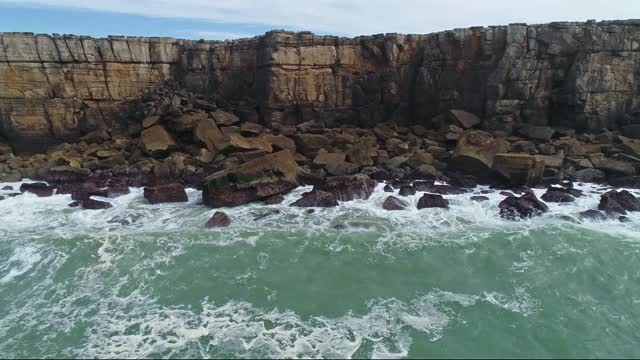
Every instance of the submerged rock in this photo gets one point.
(593, 215)
(166, 193)
(407, 190)
(524, 206)
(8, 187)
(557, 196)
(95, 204)
(219, 219)
(393, 203)
(316, 198)
(388, 188)
(432, 201)
(479, 198)
(619, 202)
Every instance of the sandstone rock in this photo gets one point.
(347, 188)
(615, 167)
(223, 118)
(238, 142)
(524, 147)
(310, 144)
(432, 201)
(325, 158)
(257, 179)
(360, 154)
(251, 129)
(316, 198)
(280, 142)
(524, 206)
(150, 121)
(166, 193)
(519, 169)
(156, 140)
(475, 153)
(208, 133)
(341, 168)
(219, 219)
(420, 158)
(393, 203)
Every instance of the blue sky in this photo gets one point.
(228, 19)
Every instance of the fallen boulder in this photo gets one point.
(475, 153)
(432, 201)
(39, 189)
(557, 196)
(524, 206)
(519, 169)
(219, 219)
(316, 198)
(393, 203)
(406, 190)
(165, 193)
(347, 188)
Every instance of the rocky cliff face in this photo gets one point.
(578, 75)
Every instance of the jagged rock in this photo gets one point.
(280, 142)
(39, 189)
(257, 179)
(273, 200)
(623, 198)
(92, 204)
(208, 133)
(347, 188)
(341, 168)
(462, 181)
(388, 188)
(519, 169)
(251, 129)
(74, 204)
(406, 190)
(310, 144)
(524, 206)
(157, 140)
(475, 153)
(7, 187)
(393, 203)
(624, 219)
(446, 190)
(479, 198)
(219, 219)
(557, 196)
(593, 215)
(432, 201)
(223, 118)
(166, 193)
(610, 206)
(238, 142)
(316, 198)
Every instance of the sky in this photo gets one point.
(230, 19)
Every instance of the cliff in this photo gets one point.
(582, 76)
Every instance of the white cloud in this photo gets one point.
(216, 35)
(353, 17)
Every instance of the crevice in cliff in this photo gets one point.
(103, 62)
(64, 39)
(51, 89)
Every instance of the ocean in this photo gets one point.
(355, 281)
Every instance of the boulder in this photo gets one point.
(341, 168)
(219, 219)
(310, 144)
(631, 131)
(557, 196)
(360, 154)
(254, 180)
(610, 206)
(238, 142)
(406, 190)
(280, 142)
(156, 140)
(463, 119)
(519, 169)
(347, 188)
(542, 133)
(525, 206)
(92, 204)
(388, 188)
(632, 182)
(316, 198)
(432, 201)
(590, 175)
(7, 188)
(251, 129)
(393, 203)
(165, 193)
(475, 153)
(223, 118)
(208, 133)
(325, 158)
(39, 189)
(624, 198)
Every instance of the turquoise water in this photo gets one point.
(140, 280)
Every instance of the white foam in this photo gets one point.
(23, 259)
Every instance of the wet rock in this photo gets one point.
(632, 182)
(8, 187)
(590, 175)
(273, 200)
(165, 193)
(525, 206)
(92, 204)
(432, 201)
(462, 181)
(388, 188)
(624, 219)
(310, 211)
(422, 185)
(274, 212)
(610, 206)
(479, 198)
(39, 189)
(257, 179)
(316, 198)
(347, 188)
(625, 199)
(407, 190)
(446, 190)
(219, 219)
(393, 203)
(557, 196)
(75, 204)
(593, 215)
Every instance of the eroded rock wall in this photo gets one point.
(578, 75)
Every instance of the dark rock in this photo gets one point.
(388, 188)
(95, 204)
(432, 201)
(167, 193)
(407, 190)
(590, 176)
(524, 206)
(624, 219)
(310, 211)
(316, 198)
(507, 194)
(632, 182)
(479, 198)
(393, 203)
(625, 199)
(610, 206)
(593, 215)
(543, 133)
(347, 188)
(423, 185)
(219, 219)
(75, 204)
(557, 196)
(446, 190)
(462, 181)
(39, 189)
(274, 212)
(7, 187)
(273, 200)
